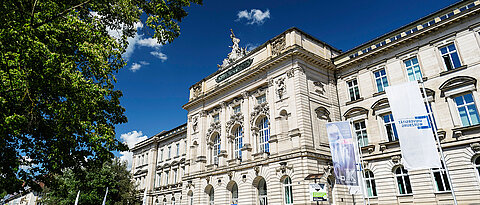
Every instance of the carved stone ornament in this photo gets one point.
(278, 45)
(291, 73)
(261, 109)
(195, 123)
(396, 159)
(235, 54)
(256, 169)
(236, 118)
(475, 147)
(197, 91)
(280, 87)
(214, 127)
(203, 113)
(319, 87)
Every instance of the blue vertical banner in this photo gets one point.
(343, 152)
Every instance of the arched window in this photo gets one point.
(288, 193)
(164, 201)
(264, 135)
(235, 194)
(173, 200)
(211, 197)
(262, 192)
(216, 148)
(403, 181)
(370, 184)
(238, 133)
(190, 198)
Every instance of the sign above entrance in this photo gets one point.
(234, 70)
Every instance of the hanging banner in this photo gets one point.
(343, 153)
(414, 128)
(318, 192)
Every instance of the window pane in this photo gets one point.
(459, 100)
(463, 116)
(456, 60)
(472, 110)
(468, 98)
(407, 184)
(401, 186)
(448, 64)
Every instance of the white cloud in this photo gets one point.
(135, 67)
(251, 46)
(255, 16)
(130, 139)
(149, 42)
(159, 55)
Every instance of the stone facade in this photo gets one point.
(159, 166)
(256, 127)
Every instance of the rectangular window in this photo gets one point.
(185, 144)
(467, 109)
(361, 133)
(216, 118)
(161, 155)
(450, 57)
(146, 158)
(236, 109)
(413, 69)
(390, 128)
(178, 149)
(381, 80)
(261, 99)
(169, 151)
(159, 179)
(353, 90)
(166, 178)
(174, 176)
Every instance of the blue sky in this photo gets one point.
(156, 80)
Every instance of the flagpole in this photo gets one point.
(430, 115)
(76, 200)
(357, 148)
(105, 198)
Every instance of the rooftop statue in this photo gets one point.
(235, 54)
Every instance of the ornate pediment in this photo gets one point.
(235, 54)
(236, 118)
(214, 127)
(261, 109)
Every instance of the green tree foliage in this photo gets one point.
(92, 183)
(58, 104)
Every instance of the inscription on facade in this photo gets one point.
(234, 70)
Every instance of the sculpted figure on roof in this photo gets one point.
(235, 54)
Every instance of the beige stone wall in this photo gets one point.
(458, 140)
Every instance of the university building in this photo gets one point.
(256, 127)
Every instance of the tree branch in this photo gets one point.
(60, 14)
(33, 12)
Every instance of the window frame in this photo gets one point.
(412, 66)
(361, 130)
(217, 143)
(392, 124)
(370, 180)
(169, 152)
(403, 175)
(353, 87)
(443, 176)
(238, 142)
(446, 45)
(381, 77)
(287, 190)
(465, 105)
(263, 135)
(178, 149)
